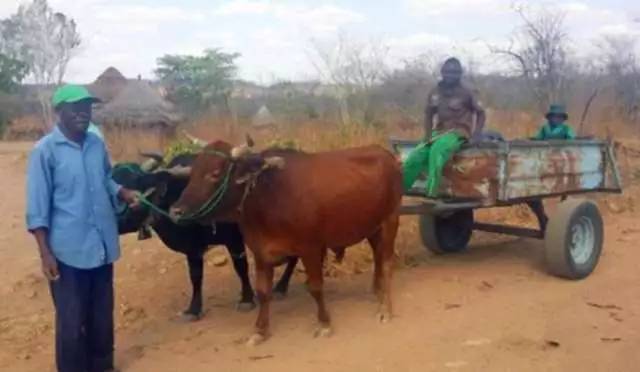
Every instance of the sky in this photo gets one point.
(275, 37)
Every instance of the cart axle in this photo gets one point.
(509, 230)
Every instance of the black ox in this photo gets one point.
(164, 187)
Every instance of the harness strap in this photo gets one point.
(215, 199)
(209, 206)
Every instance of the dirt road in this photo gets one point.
(491, 309)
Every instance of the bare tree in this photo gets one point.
(354, 68)
(622, 68)
(539, 52)
(46, 41)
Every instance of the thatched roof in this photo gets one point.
(263, 118)
(108, 85)
(138, 104)
(110, 75)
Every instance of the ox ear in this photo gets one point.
(157, 181)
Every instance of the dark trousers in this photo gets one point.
(537, 208)
(83, 300)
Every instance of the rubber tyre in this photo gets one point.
(446, 233)
(571, 215)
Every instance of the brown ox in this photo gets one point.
(290, 203)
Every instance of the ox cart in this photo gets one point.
(500, 174)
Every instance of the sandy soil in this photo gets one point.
(491, 309)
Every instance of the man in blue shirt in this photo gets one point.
(70, 211)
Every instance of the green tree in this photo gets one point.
(45, 40)
(12, 71)
(197, 83)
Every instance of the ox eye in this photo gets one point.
(212, 177)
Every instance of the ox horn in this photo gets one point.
(147, 193)
(244, 149)
(153, 161)
(179, 171)
(195, 140)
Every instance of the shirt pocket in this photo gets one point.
(65, 182)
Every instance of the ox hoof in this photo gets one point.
(245, 307)
(323, 331)
(279, 295)
(188, 317)
(384, 317)
(256, 339)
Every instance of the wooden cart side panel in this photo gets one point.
(549, 171)
(513, 171)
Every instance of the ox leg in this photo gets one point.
(382, 243)
(264, 283)
(313, 266)
(241, 266)
(196, 268)
(281, 289)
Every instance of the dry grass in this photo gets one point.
(311, 136)
(318, 135)
(25, 128)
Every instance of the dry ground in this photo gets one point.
(491, 309)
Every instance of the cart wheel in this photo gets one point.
(573, 241)
(446, 233)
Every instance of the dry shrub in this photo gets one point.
(25, 128)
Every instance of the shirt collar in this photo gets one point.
(554, 126)
(60, 138)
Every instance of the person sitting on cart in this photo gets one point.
(556, 128)
(459, 117)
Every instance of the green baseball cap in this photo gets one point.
(70, 94)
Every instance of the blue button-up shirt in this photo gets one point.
(71, 194)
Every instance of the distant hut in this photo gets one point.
(108, 85)
(139, 106)
(263, 118)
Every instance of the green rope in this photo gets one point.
(118, 168)
(209, 206)
(147, 203)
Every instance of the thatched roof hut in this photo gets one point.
(263, 118)
(108, 85)
(138, 105)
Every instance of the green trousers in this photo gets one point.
(432, 157)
